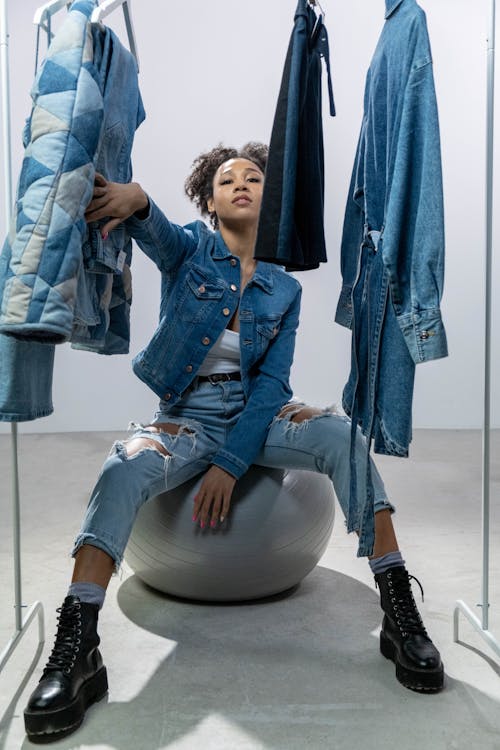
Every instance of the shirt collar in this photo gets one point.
(390, 7)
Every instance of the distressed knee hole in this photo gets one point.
(136, 445)
(169, 427)
(305, 414)
(299, 413)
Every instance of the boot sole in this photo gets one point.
(420, 680)
(48, 726)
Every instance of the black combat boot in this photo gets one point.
(404, 638)
(73, 679)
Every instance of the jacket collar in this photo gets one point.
(263, 275)
(390, 7)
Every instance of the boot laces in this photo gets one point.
(403, 604)
(68, 639)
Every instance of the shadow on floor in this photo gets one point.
(297, 671)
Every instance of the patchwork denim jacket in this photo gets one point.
(200, 294)
(86, 107)
(41, 256)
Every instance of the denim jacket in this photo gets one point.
(396, 187)
(102, 311)
(200, 294)
(41, 256)
(86, 107)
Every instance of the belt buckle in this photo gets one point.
(218, 377)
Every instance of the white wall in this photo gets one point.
(210, 72)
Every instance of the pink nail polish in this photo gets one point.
(105, 235)
(213, 524)
(202, 524)
(193, 518)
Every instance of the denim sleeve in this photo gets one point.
(413, 237)
(352, 236)
(167, 244)
(270, 392)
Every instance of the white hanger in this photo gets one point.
(43, 13)
(107, 7)
(42, 19)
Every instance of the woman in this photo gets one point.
(220, 362)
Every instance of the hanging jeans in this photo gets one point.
(25, 379)
(291, 224)
(205, 416)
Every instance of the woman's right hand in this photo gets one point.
(114, 200)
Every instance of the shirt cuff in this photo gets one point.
(233, 465)
(424, 335)
(343, 316)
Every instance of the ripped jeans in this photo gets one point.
(205, 416)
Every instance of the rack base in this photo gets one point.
(486, 635)
(35, 609)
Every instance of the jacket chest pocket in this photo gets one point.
(199, 295)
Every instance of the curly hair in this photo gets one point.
(199, 184)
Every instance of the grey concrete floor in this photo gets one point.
(301, 671)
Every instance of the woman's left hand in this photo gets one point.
(212, 502)
(114, 201)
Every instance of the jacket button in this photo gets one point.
(424, 335)
(205, 341)
(167, 396)
(226, 311)
(189, 368)
(233, 261)
(201, 289)
(234, 288)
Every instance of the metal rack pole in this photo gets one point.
(36, 608)
(482, 625)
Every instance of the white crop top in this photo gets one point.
(224, 356)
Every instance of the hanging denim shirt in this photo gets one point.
(291, 231)
(392, 257)
(102, 311)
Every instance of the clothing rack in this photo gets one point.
(482, 625)
(21, 624)
(42, 19)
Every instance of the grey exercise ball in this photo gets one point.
(277, 529)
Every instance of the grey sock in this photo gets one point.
(383, 563)
(90, 593)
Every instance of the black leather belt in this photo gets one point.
(219, 377)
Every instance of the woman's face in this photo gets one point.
(237, 193)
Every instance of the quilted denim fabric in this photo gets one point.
(41, 257)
